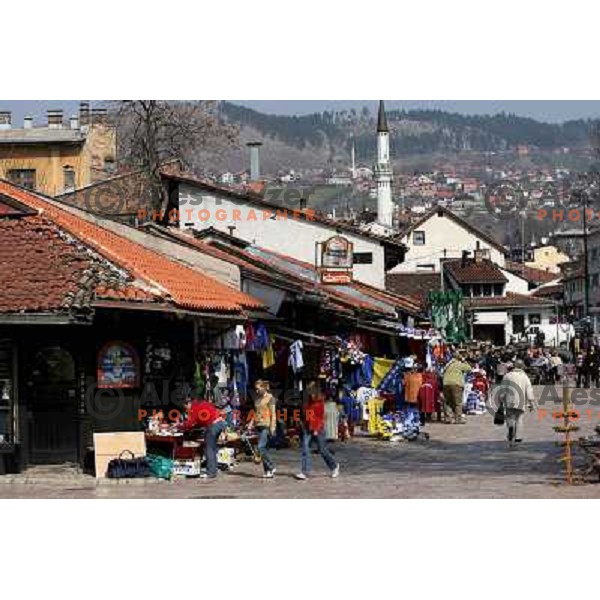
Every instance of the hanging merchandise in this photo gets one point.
(222, 372)
(296, 360)
(240, 334)
(362, 374)
(381, 367)
(351, 406)
(240, 370)
(350, 352)
(250, 337)
(447, 314)
(331, 420)
(412, 384)
(261, 340)
(268, 355)
(374, 410)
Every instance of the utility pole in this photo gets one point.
(586, 284)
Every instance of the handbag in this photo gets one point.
(500, 415)
(128, 468)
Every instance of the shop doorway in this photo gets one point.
(52, 404)
(490, 333)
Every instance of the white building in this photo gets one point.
(293, 230)
(442, 234)
(495, 313)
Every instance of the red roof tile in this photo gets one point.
(484, 271)
(531, 273)
(187, 287)
(39, 271)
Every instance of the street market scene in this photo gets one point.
(165, 335)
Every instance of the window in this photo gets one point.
(419, 238)
(23, 177)
(487, 289)
(476, 289)
(594, 253)
(595, 280)
(498, 289)
(68, 178)
(362, 258)
(109, 164)
(535, 319)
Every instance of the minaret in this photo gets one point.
(353, 157)
(383, 170)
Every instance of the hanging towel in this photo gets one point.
(380, 368)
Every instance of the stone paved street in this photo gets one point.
(469, 461)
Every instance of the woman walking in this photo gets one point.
(313, 428)
(265, 420)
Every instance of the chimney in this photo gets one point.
(55, 119)
(84, 114)
(463, 262)
(254, 160)
(478, 256)
(98, 115)
(5, 119)
(27, 122)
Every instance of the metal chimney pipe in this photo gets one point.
(254, 160)
(5, 119)
(27, 122)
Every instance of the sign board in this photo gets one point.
(336, 277)
(336, 252)
(118, 366)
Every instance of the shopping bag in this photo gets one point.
(160, 466)
(500, 415)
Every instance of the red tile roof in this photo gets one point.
(555, 289)
(416, 285)
(186, 287)
(484, 271)
(531, 273)
(274, 264)
(39, 270)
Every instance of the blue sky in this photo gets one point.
(543, 110)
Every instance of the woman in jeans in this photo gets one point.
(313, 428)
(265, 421)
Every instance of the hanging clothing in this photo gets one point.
(381, 366)
(222, 373)
(412, 385)
(331, 421)
(429, 393)
(268, 355)
(262, 339)
(296, 360)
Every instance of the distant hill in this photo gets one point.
(414, 132)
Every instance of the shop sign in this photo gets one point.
(118, 366)
(336, 277)
(336, 252)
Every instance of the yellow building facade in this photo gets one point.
(58, 157)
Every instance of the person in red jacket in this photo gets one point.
(201, 413)
(313, 427)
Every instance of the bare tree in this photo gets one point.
(151, 132)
